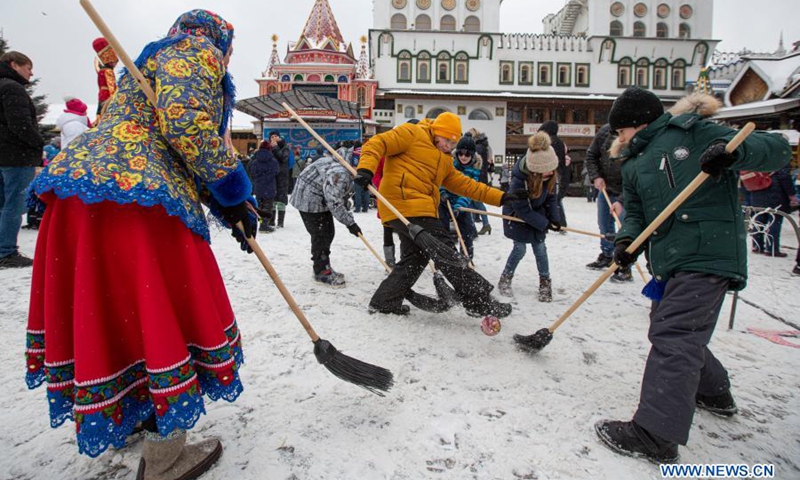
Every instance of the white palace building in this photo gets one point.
(430, 56)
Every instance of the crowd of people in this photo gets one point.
(152, 344)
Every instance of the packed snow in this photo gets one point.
(464, 405)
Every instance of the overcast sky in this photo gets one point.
(57, 34)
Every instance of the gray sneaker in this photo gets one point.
(15, 260)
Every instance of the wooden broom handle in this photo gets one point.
(369, 246)
(619, 226)
(519, 220)
(690, 189)
(458, 233)
(123, 56)
(276, 279)
(346, 165)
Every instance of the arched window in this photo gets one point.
(472, 24)
(399, 22)
(480, 114)
(435, 112)
(684, 31)
(423, 22)
(286, 78)
(443, 68)
(448, 24)
(639, 30)
(526, 73)
(361, 97)
(506, 72)
(298, 78)
(424, 67)
(564, 75)
(615, 29)
(408, 112)
(660, 75)
(329, 79)
(679, 75)
(342, 79)
(642, 73)
(545, 74)
(462, 68)
(582, 75)
(314, 78)
(272, 89)
(404, 67)
(624, 73)
(662, 30)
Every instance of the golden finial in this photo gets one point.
(274, 38)
(363, 39)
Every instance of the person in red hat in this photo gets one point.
(106, 79)
(73, 121)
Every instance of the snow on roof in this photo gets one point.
(499, 94)
(777, 72)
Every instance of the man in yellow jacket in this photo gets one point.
(418, 162)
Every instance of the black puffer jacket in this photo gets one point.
(599, 163)
(281, 154)
(21, 143)
(564, 173)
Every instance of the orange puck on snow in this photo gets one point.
(490, 325)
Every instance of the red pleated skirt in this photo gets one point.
(129, 317)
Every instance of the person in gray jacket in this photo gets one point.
(322, 193)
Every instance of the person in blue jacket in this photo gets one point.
(540, 211)
(467, 161)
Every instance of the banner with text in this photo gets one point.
(564, 129)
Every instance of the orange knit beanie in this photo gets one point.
(447, 125)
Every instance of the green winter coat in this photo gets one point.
(707, 232)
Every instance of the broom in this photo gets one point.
(541, 338)
(619, 225)
(519, 220)
(436, 249)
(458, 232)
(373, 378)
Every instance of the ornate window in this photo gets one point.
(684, 31)
(479, 114)
(679, 75)
(361, 96)
(423, 22)
(662, 30)
(435, 112)
(342, 79)
(660, 75)
(624, 73)
(472, 24)
(408, 112)
(462, 68)
(424, 67)
(272, 89)
(526, 73)
(639, 30)
(643, 73)
(564, 75)
(582, 75)
(443, 68)
(545, 73)
(506, 73)
(399, 22)
(404, 67)
(448, 24)
(615, 29)
(298, 78)
(329, 79)
(286, 78)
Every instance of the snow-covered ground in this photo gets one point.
(464, 405)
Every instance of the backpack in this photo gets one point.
(755, 181)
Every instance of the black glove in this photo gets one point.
(241, 213)
(715, 160)
(554, 226)
(622, 257)
(509, 197)
(354, 229)
(363, 178)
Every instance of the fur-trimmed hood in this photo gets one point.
(701, 104)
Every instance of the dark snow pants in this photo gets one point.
(680, 364)
(320, 227)
(469, 284)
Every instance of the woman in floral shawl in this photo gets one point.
(129, 318)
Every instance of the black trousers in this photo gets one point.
(469, 284)
(320, 227)
(680, 364)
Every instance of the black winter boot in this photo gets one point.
(485, 229)
(720, 405)
(622, 275)
(394, 310)
(281, 216)
(504, 285)
(486, 306)
(601, 263)
(627, 438)
(545, 290)
(388, 255)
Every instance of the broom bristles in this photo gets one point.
(534, 342)
(367, 376)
